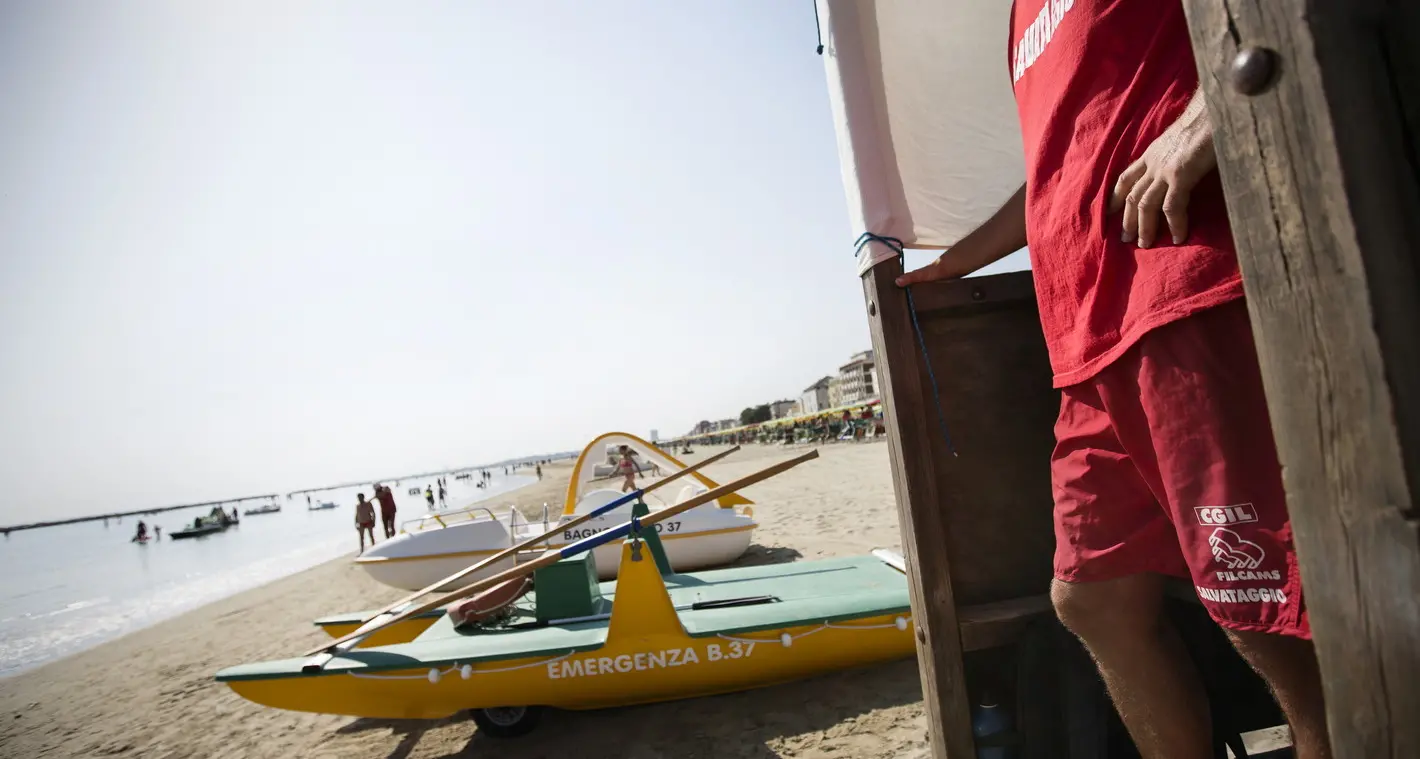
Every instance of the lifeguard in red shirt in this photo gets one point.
(1164, 463)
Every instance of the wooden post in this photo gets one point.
(920, 517)
(976, 522)
(1316, 110)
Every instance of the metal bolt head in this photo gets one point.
(872, 308)
(1253, 71)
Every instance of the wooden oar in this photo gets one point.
(369, 625)
(329, 650)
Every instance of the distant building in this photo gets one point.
(655, 436)
(726, 424)
(780, 409)
(815, 397)
(857, 379)
(835, 392)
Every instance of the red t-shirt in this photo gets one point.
(386, 499)
(1096, 81)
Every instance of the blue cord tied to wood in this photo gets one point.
(897, 246)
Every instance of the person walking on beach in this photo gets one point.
(1162, 412)
(628, 469)
(157, 532)
(539, 471)
(441, 494)
(429, 496)
(364, 520)
(386, 498)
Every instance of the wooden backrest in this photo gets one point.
(984, 340)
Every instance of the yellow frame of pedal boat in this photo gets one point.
(647, 657)
(402, 631)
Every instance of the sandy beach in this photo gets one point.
(151, 693)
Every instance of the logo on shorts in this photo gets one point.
(1230, 550)
(1242, 595)
(1242, 513)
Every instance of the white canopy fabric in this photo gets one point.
(922, 102)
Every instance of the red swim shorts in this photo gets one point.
(1164, 462)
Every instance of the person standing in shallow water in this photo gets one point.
(364, 520)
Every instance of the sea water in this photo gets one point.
(65, 589)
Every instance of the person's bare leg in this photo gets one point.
(1289, 666)
(1154, 684)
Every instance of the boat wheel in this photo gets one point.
(507, 721)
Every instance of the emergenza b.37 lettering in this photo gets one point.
(571, 535)
(644, 660)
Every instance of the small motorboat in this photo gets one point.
(270, 508)
(437, 545)
(217, 521)
(197, 532)
(326, 506)
(575, 644)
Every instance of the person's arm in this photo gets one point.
(1001, 235)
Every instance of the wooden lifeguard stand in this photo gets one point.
(1316, 106)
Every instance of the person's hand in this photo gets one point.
(1163, 178)
(946, 266)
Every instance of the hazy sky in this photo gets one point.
(249, 247)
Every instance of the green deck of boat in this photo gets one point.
(809, 592)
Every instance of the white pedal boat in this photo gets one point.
(440, 544)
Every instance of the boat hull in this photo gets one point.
(698, 540)
(665, 638)
(186, 534)
(641, 670)
(420, 572)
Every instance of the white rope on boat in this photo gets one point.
(433, 675)
(521, 666)
(466, 671)
(787, 640)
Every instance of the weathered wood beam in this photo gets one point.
(1316, 109)
(911, 435)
